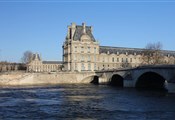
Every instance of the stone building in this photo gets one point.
(82, 52)
(80, 49)
(5, 66)
(37, 65)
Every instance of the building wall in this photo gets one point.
(79, 54)
(37, 65)
(113, 61)
(4, 67)
(82, 52)
(84, 56)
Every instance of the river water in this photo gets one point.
(82, 102)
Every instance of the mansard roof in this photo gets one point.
(79, 33)
(124, 50)
(168, 52)
(120, 50)
(36, 57)
(52, 62)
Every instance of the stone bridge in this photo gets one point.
(155, 76)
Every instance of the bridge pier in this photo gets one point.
(128, 83)
(170, 87)
(102, 81)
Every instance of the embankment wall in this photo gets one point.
(44, 78)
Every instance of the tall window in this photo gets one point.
(103, 59)
(89, 58)
(94, 58)
(95, 49)
(75, 48)
(95, 67)
(89, 66)
(82, 49)
(82, 58)
(75, 57)
(82, 67)
(113, 59)
(89, 49)
(76, 66)
(130, 59)
(117, 59)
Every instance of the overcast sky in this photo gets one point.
(41, 25)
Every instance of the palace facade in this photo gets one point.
(37, 65)
(82, 52)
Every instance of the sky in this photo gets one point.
(40, 26)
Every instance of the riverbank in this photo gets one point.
(26, 79)
(22, 78)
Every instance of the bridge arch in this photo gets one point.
(150, 80)
(95, 80)
(85, 77)
(116, 80)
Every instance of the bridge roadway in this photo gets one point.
(151, 76)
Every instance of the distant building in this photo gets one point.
(80, 49)
(7, 66)
(37, 65)
(82, 52)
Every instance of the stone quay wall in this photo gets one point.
(43, 78)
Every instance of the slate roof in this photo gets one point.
(34, 56)
(124, 50)
(120, 50)
(52, 62)
(168, 52)
(79, 32)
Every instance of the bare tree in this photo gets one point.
(27, 57)
(152, 54)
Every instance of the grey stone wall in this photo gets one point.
(45, 78)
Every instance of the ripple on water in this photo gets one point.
(84, 102)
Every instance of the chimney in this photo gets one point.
(72, 30)
(91, 29)
(84, 28)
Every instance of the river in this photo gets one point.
(82, 102)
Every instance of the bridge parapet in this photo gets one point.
(156, 67)
(131, 75)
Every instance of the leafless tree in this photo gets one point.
(152, 54)
(27, 57)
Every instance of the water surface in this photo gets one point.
(74, 102)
